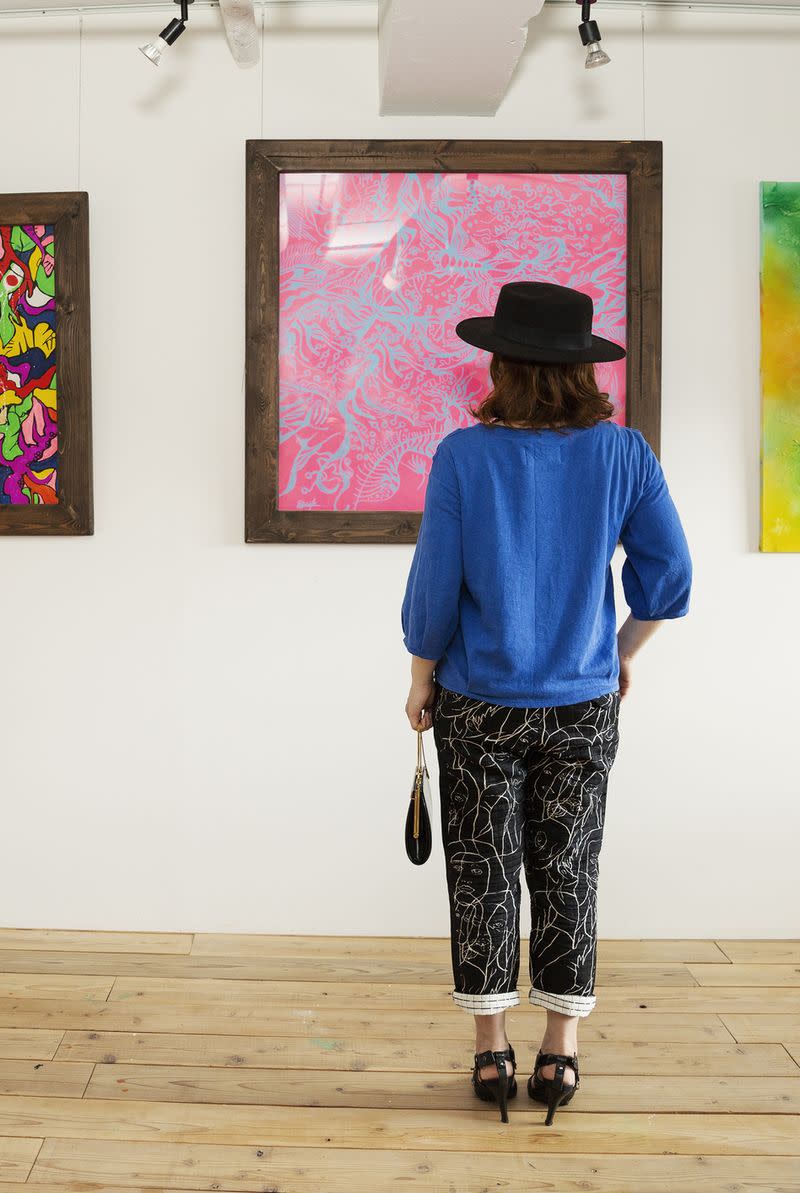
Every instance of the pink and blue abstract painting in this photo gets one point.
(376, 269)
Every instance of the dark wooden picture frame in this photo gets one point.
(641, 161)
(73, 513)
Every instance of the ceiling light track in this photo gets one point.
(127, 6)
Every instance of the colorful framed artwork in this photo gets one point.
(779, 284)
(361, 258)
(45, 370)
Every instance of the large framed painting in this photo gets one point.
(45, 364)
(779, 284)
(361, 258)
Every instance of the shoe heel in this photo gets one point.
(554, 1097)
(502, 1095)
(551, 1090)
(500, 1088)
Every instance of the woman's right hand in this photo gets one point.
(630, 638)
(624, 676)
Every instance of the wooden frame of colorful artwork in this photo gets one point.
(269, 161)
(46, 452)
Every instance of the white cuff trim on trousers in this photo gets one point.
(486, 1004)
(567, 1004)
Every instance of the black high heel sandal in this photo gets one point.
(552, 1090)
(500, 1088)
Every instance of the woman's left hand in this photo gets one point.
(419, 706)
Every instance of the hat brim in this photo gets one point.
(479, 332)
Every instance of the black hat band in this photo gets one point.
(541, 337)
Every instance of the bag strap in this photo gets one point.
(422, 769)
(421, 760)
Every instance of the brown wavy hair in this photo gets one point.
(543, 395)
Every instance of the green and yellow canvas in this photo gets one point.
(780, 366)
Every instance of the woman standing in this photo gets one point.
(518, 667)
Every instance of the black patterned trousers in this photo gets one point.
(523, 788)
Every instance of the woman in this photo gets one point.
(518, 667)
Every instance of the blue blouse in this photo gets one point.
(510, 589)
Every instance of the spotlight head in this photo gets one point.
(595, 56)
(155, 48)
(590, 36)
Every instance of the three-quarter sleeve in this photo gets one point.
(657, 572)
(429, 614)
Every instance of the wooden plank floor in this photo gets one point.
(133, 1062)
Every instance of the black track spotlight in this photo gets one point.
(590, 36)
(155, 48)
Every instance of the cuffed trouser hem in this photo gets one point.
(486, 1004)
(566, 1004)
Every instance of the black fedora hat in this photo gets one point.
(540, 321)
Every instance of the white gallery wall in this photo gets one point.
(199, 734)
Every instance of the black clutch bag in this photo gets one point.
(419, 838)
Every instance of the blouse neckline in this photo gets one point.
(554, 430)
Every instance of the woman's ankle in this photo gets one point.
(560, 1034)
(491, 1042)
(490, 1033)
(558, 1041)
